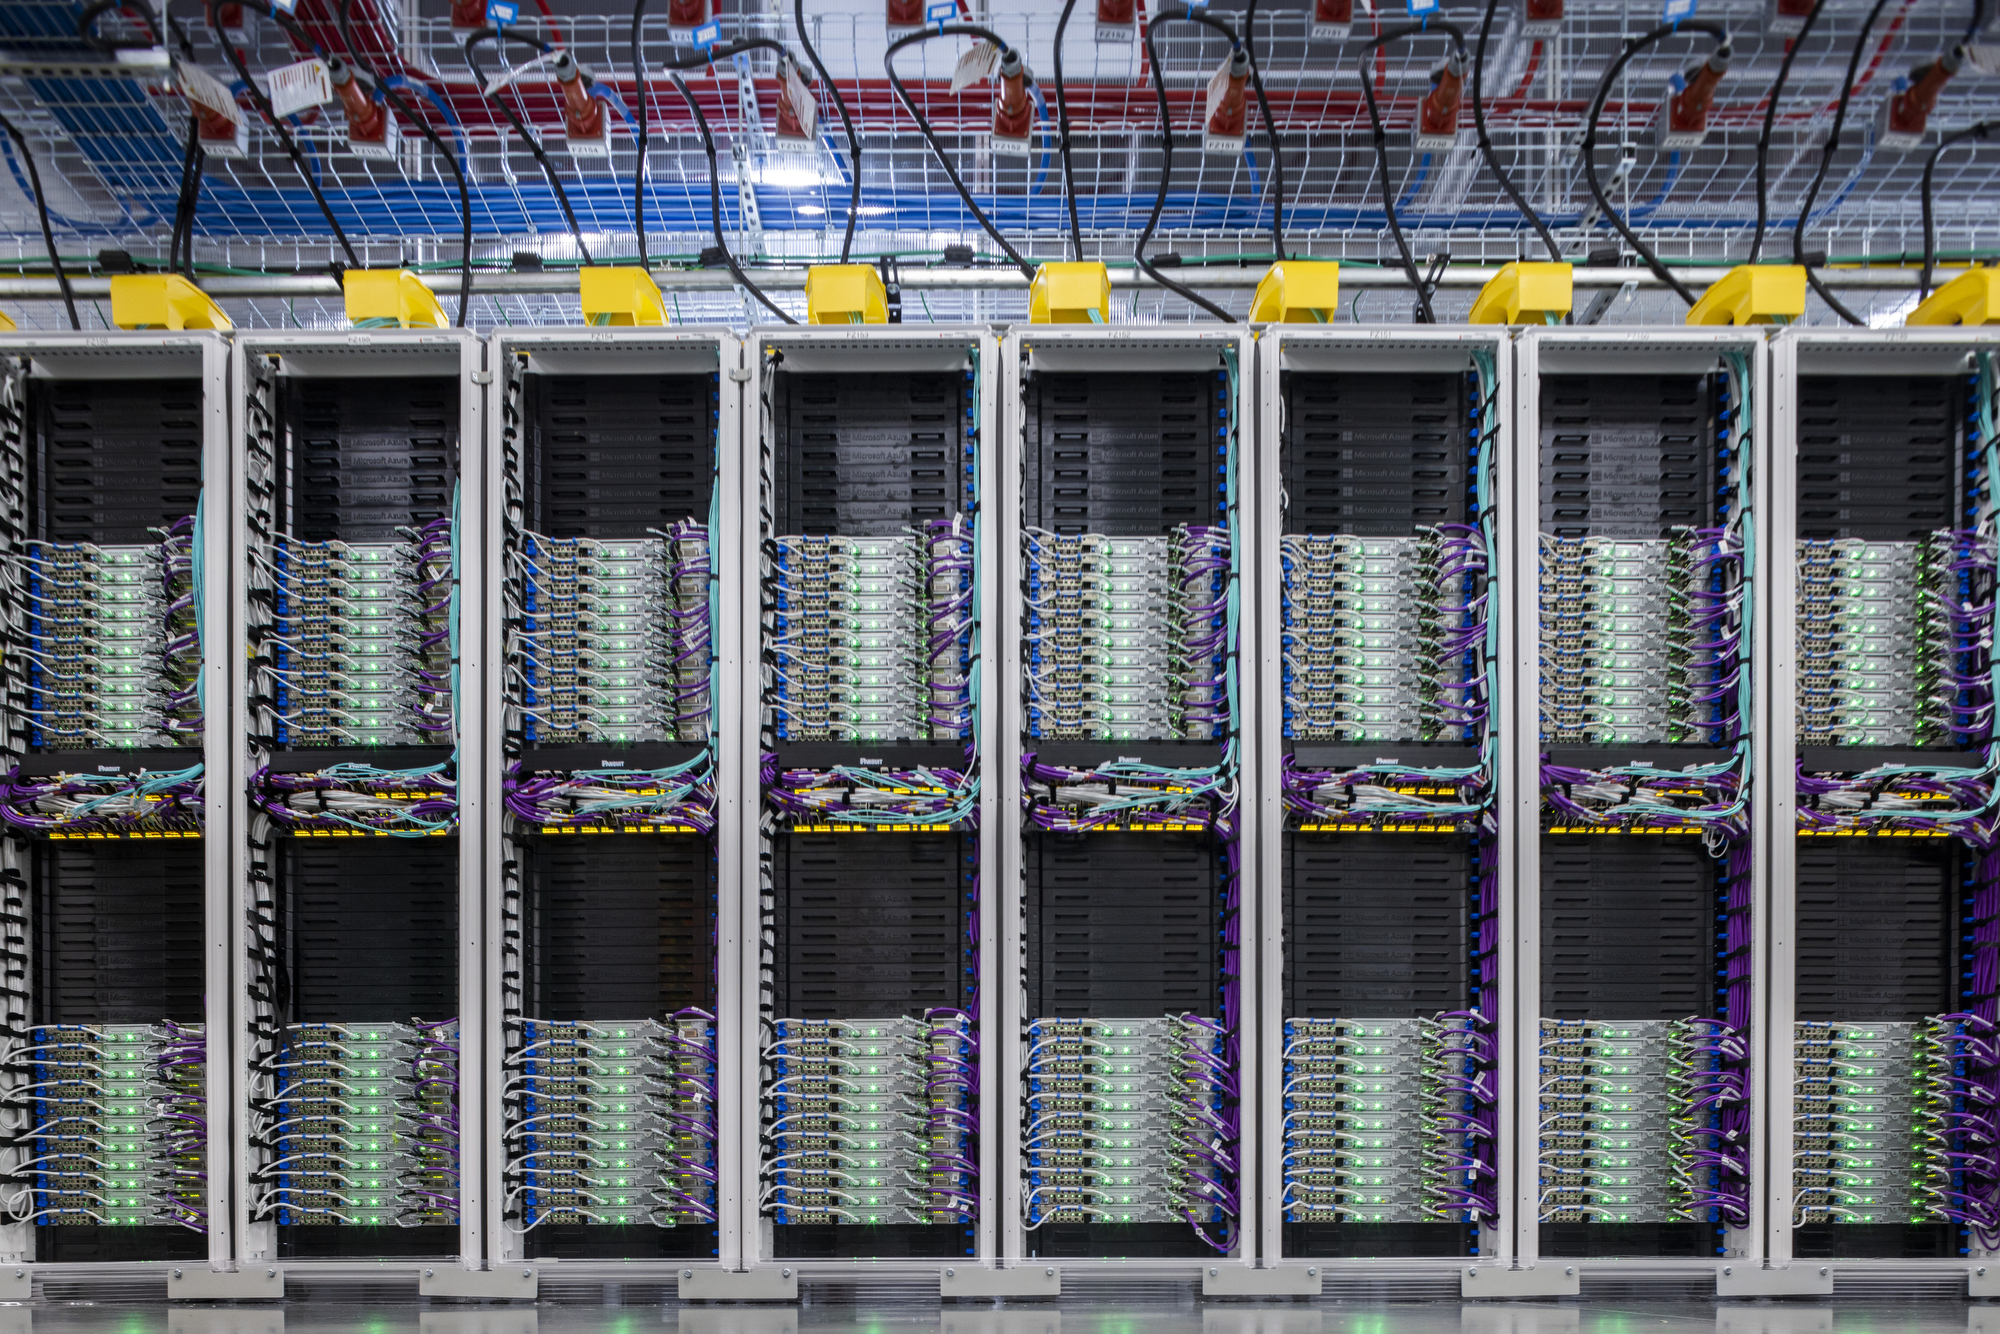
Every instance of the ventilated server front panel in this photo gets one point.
(1896, 889)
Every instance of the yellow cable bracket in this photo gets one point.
(163, 301)
(390, 299)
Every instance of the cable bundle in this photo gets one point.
(678, 799)
(81, 805)
(1383, 798)
(357, 800)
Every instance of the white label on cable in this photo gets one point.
(804, 105)
(1420, 9)
(1677, 10)
(294, 88)
(707, 35)
(285, 6)
(1983, 57)
(502, 12)
(941, 11)
(976, 64)
(519, 73)
(202, 88)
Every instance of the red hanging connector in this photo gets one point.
(1437, 114)
(1684, 122)
(584, 122)
(684, 16)
(1117, 20)
(1787, 17)
(368, 121)
(1541, 18)
(1013, 110)
(1222, 129)
(1332, 20)
(906, 13)
(467, 15)
(1907, 114)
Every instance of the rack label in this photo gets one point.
(207, 92)
(502, 12)
(976, 64)
(296, 87)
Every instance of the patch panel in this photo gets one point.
(361, 1124)
(1375, 629)
(1857, 1138)
(1124, 639)
(614, 1124)
(1877, 640)
(112, 645)
(614, 639)
(872, 1121)
(1380, 1119)
(1130, 1121)
(119, 1125)
(360, 643)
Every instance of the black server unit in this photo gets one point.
(101, 875)
(1895, 889)
(870, 780)
(1131, 852)
(1384, 543)
(353, 833)
(1645, 853)
(610, 506)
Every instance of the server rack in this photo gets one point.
(1883, 879)
(1639, 905)
(114, 585)
(868, 1087)
(359, 871)
(1382, 468)
(615, 945)
(1129, 762)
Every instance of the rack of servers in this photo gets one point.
(1883, 1026)
(113, 587)
(1126, 468)
(355, 881)
(1416, 802)
(1380, 474)
(1638, 905)
(612, 495)
(873, 1094)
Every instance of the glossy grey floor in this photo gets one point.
(1583, 1317)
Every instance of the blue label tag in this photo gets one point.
(1677, 10)
(285, 6)
(707, 35)
(1423, 8)
(502, 12)
(941, 11)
